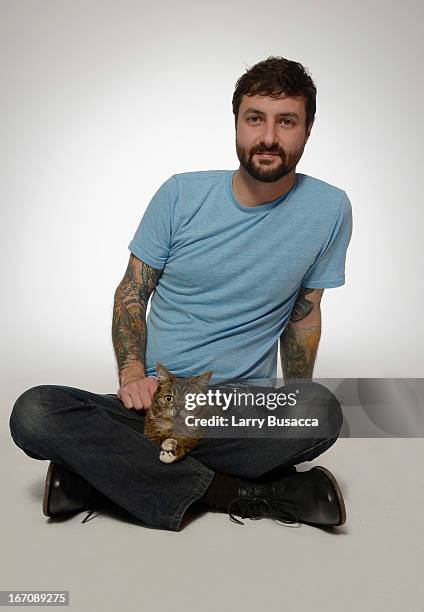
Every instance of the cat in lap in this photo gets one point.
(165, 420)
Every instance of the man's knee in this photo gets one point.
(321, 404)
(30, 413)
(334, 413)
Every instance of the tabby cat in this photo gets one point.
(165, 420)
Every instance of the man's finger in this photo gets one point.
(137, 400)
(126, 399)
(152, 389)
(146, 399)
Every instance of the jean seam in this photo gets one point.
(178, 514)
(126, 416)
(315, 446)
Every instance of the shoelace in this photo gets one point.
(90, 512)
(87, 518)
(255, 508)
(73, 489)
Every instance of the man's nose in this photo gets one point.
(270, 137)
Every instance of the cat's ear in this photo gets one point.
(202, 379)
(163, 373)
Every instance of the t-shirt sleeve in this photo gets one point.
(152, 240)
(328, 269)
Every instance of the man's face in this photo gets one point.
(275, 126)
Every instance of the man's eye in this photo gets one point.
(256, 117)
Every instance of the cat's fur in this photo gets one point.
(165, 423)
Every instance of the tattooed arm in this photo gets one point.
(129, 318)
(300, 338)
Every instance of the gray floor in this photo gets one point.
(373, 563)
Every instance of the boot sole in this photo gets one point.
(342, 507)
(46, 496)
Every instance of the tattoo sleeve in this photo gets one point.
(301, 336)
(129, 333)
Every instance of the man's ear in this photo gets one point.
(163, 373)
(309, 129)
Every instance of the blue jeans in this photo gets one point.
(95, 436)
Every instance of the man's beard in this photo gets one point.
(268, 172)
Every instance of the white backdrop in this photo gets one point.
(102, 101)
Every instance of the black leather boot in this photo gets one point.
(67, 493)
(312, 497)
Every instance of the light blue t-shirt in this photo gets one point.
(231, 273)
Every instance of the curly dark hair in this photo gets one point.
(274, 76)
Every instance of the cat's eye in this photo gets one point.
(168, 398)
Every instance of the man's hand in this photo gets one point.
(138, 393)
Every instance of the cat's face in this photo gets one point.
(169, 399)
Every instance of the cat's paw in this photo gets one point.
(170, 444)
(167, 456)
